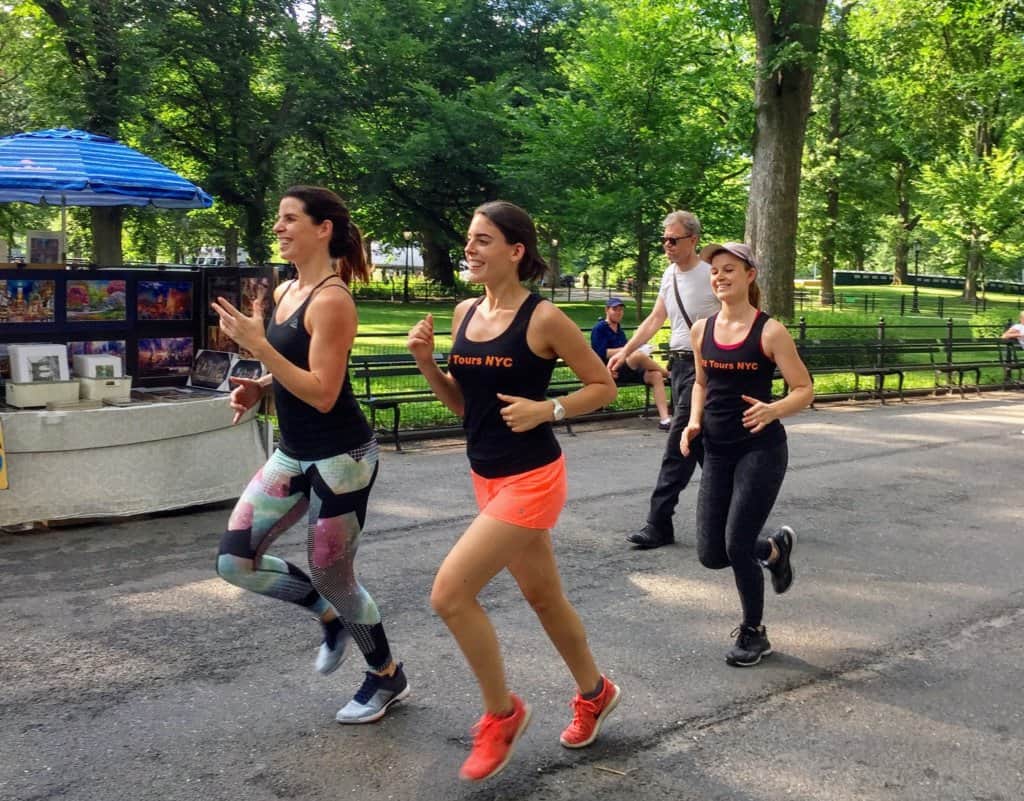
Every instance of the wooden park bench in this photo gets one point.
(1013, 365)
(894, 357)
(389, 382)
(961, 357)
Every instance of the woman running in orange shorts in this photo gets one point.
(504, 351)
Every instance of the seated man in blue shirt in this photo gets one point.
(607, 338)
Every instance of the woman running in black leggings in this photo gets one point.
(326, 459)
(745, 452)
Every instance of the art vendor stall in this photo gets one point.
(115, 387)
(114, 461)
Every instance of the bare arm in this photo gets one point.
(698, 393)
(551, 334)
(421, 345)
(331, 322)
(647, 329)
(779, 346)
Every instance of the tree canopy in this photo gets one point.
(830, 135)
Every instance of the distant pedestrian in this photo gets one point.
(326, 460)
(745, 450)
(505, 347)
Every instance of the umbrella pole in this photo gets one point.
(63, 231)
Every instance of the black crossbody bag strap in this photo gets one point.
(679, 300)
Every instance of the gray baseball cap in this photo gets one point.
(737, 249)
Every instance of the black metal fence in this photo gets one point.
(905, 303)
(632, 400)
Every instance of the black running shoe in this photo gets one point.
(781, 570)
(751, 645)
(648, 537)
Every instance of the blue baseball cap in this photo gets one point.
(613, 302)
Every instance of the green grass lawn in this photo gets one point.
(383, 326)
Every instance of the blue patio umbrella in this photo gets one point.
(66, 167)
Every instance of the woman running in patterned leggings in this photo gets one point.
(326, 459)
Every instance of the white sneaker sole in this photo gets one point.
(374, 716)
(738, 663)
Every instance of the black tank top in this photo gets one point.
(504, 364)
(308, 434)
(732, 371)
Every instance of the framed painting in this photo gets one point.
(164, 300)
(45, 247)
(27, 300)
(165, 357)
(99, 347)
(94, 300)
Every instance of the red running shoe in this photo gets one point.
(587, 716)
(494, 740)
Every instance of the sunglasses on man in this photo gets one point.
(671, 240)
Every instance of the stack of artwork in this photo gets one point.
(151, 321)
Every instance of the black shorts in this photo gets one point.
(629, 375)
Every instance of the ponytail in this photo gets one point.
(352, 264)
(754, 294)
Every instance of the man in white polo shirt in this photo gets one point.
(684, 297)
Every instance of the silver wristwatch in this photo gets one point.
(559, 409)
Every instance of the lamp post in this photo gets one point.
(917, 252)
(408, 247)
(556, 275)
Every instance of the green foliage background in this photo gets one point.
(600, 116)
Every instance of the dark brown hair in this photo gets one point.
(346, 245)
(518, 229)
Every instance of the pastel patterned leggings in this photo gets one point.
(332, 493)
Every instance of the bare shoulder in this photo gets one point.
(552, 318)
(776, 339)
(776, 331)
(281, 288)
(463, 305)
(331, 300)
(461, 309)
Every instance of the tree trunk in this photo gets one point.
(231, 246)
(899, 252)
(907, 223)
(782, 96)
(106, 235)
(437, 261)
(828, 241)
(643, 265)
(255, 241)
(975, 265)
(837, 71)
(554, 265)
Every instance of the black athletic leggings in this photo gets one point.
(738, 489)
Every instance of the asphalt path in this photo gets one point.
(128, 670)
